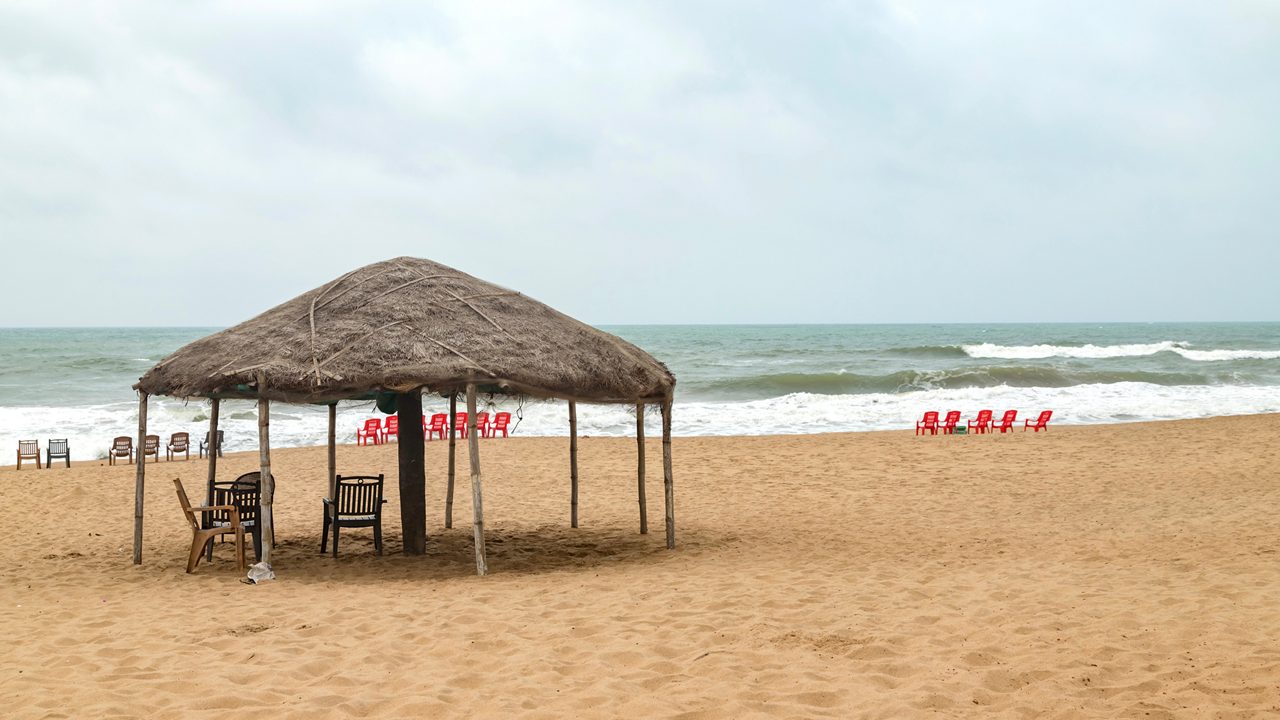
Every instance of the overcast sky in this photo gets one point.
(169, 163)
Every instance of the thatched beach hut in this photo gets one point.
(400, 328)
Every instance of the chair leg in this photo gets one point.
(335, 537)
(198, 544)
(324, 534)
(377, 537)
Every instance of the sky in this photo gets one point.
(192, 164)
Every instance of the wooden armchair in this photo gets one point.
(201, 537)
(57, 450)
(179, 442)
(121, 447)
(28, 450)
(151, 447)
(358, 504)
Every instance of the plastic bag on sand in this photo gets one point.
(259, 572)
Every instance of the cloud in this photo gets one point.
(714, 162)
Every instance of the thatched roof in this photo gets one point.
(407, 323)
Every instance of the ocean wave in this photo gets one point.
(1040, 352)
(775, 385)
(930, 351)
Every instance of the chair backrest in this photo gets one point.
(151, 445)
(953, 417)
(179, 440)
(501, 419)
(1042, 420)
(1008, 418)
(359, 495)
(984, 416)
(57, 447)
(438, 420)
(373, 425)
(245, 492)
(206, 438)
(393, 424)
(482, 418)
(186, 505)
(931, 417)
(121, 445)
(28, 448)
(460, 421)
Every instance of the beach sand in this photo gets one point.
(1100, 571)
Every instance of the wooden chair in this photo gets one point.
(179, 442)
(57, 450)
(201, 536)
(204, 444)
(358, 504)
(121, 447)
(29, 450)
(150, 446)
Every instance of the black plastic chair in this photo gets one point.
(358, 504)
(57, 450)
(205, 444)
(245, 494)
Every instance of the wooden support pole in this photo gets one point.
(413, 482)
(212, 445)
(644, 511)
(573, 464)
(333, 449)
(140, 479)
(477, 495)
(667, 482)
(453, 419)
(264, 465)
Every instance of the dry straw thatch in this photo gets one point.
(408, 323)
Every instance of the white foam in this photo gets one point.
(1038, 352)
(90, 429)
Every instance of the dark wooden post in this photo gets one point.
(477, 494)
(413, 479)
(573, 464)
(268, 481)
(333, 449)
(667, 482)
(453, 419)
(644, 511)
(140, 479)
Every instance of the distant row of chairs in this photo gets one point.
(374, 431)
(980, 425)
(30, 450)
(179, 443)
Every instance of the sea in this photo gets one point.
(731, 380)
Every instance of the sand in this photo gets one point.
(1097, 571)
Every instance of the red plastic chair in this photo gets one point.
(372, 430)
(391, 428)
(460, 420)
(1006, 423)
(982, 424)
(439, 425)
(928, 424)
(500, 422)
(949, 425)
(1041, 423)
(482, 424)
